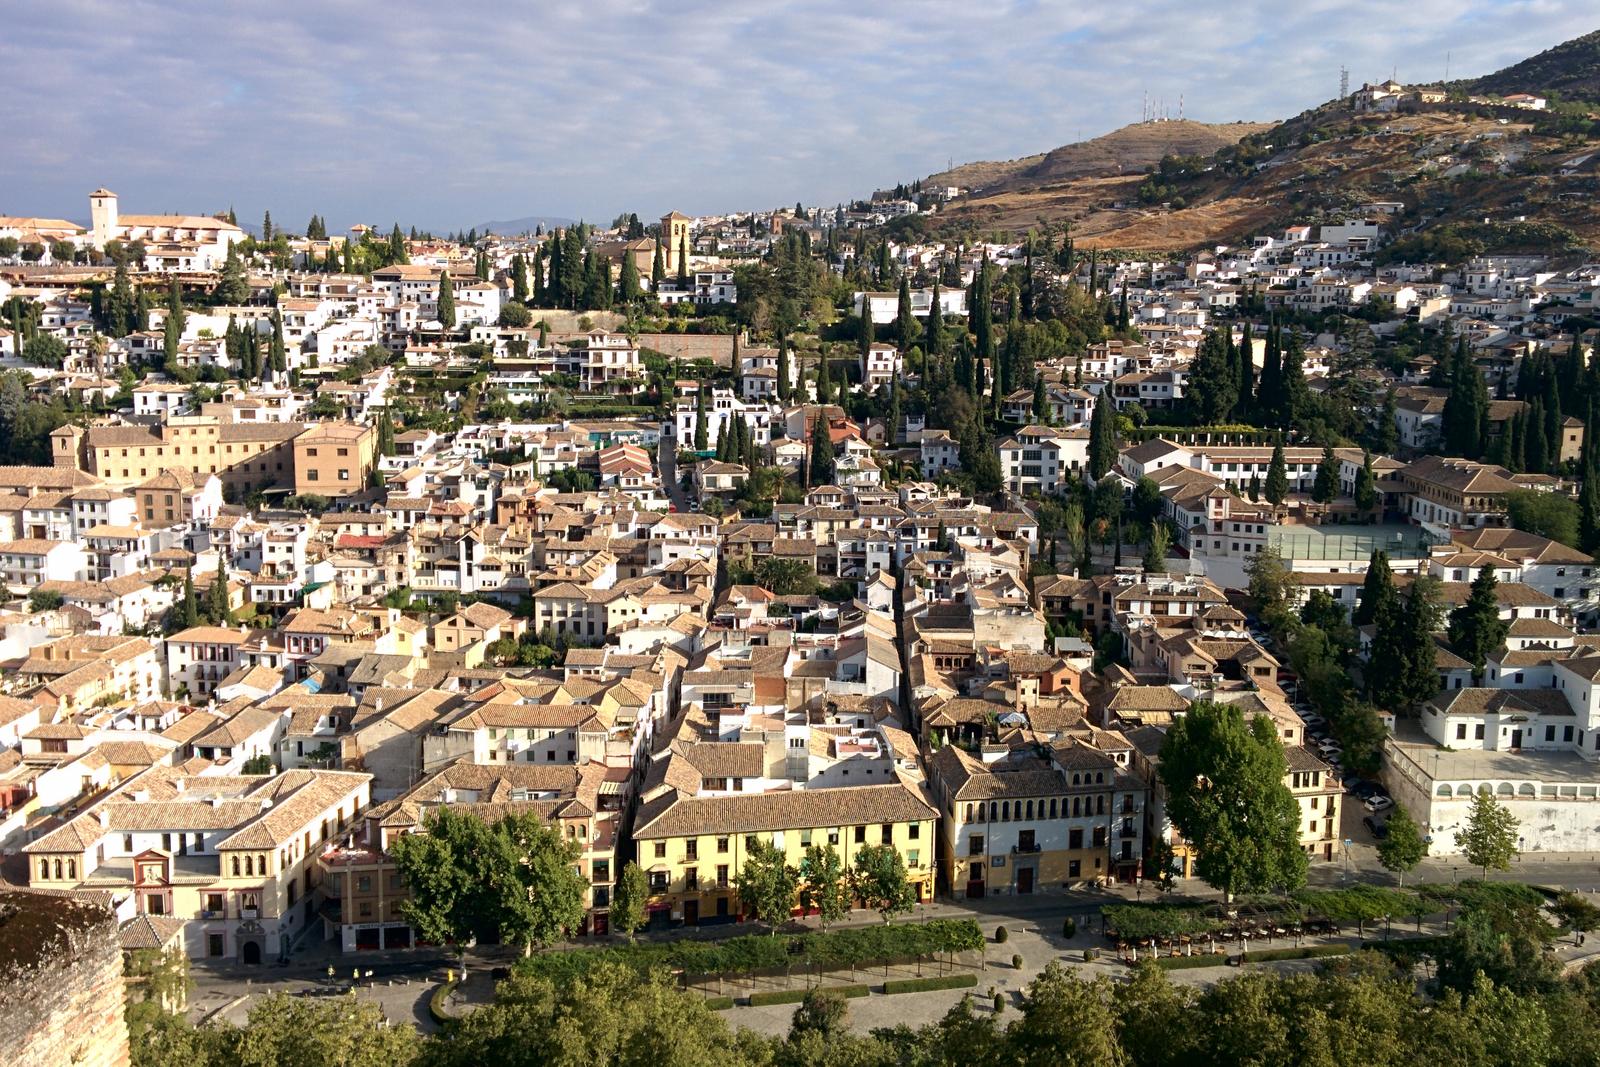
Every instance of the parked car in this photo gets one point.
(1379, 803)
(1378, 828)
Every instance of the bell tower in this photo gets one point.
(675, 236)
(103, 216)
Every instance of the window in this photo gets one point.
(691, 878)
(915, 831)
(661, 850)
(311, 476)
(887, 835)
(975, 845)
(861, 835)
(722, 844)
(691, 849)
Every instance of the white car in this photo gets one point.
(1378, 803)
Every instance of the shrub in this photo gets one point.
(999, 1003)
(1001, 935)
(1069, 929)
(1090, 955)
(1310, 952)
(719, 1003)
(795, 996)
(1184, 963)
(1016, 961)
(923, 985)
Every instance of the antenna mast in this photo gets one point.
(1344, 82)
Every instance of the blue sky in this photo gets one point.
(447, 114)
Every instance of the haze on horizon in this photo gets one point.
(444, 116)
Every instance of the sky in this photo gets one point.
(445, 115)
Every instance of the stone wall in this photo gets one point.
(61, 984)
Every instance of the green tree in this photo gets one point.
(1547, 514)
(217, 599)
(767, 885)
(44, 600)
(933, 343)
(233, 287)
(658, 269)
(628, 901)
(879, 880)
(1155, 553)
(1402, 848)
(45, 350)
(628, 280)
(823, 885)
(1272, 589)
(284, 1029)
(1225, 794)
(822, 454)
(700, 431)
(1377, 590)
(905, 325)
(1277, 487)
(823, 1012)
(1488, 841)
(1366, 489)
(1066, 1022)
(785, 386)
(447, 301)
(1102, 437)
(1326, 486)
(1476, 628)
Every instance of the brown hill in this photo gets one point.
(1130, 150)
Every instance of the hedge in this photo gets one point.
(923, 985)
(1140, 922)
(719, 1003)
(737, 956)
(1184, 963)
(795, 996)
(436, 1002)
(1308, 952)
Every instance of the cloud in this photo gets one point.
(444, 115)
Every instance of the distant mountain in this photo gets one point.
(1129, 150)
(526, 224)
(1571, 69)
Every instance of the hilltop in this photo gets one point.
(1570, 69)
(1509, 179)
(1129, 150)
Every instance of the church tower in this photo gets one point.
(103, 216)
(675, 236)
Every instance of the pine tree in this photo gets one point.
(1326, 486)
(1277, 476)
(232, 287)
(447, 301)
(1476, 628)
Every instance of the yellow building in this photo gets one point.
(243, 455)
(693, 837)
(334, 458)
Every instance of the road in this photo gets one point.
(667, 460)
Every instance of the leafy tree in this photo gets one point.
(261, 764)
(515, 315)
(1155, 553)
(1146, 501)
(1402, 848)
(1213, 387)
(1065, 1021)
(823, 1012)
(879, 880)
(284, 1030)
(1551, 515)
(823, 884)
(1488, 841)
(447, 301)
(1476, 628)
(1225, 794)
(767, 884)
(44, 600)
(784, 576)
(1272, 588)
(45, 350)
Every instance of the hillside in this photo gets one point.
(1571, 69)
(526, 224)
(1126, 151)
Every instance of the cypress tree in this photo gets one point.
(1535, 445)
(1377, 590)
(628, 281)
(1244, 411)
(519, 279)
(700, 417)
(683, 261)
(658, 269)
(175, 305)
(905, 321)
(867, 331)
(1292, 391)
(1366, 493)
(894, 412)
(934, 342)
(1326, 486)
(1476, 628)
(822, 454)
(554, 292)
(447, 300)
(1041, 406)
(1589, 510)
(278, 355)
(397, 247)
(1269, 396)
(266, 228)
(385, 434)
(217, 598)
(1418, 652)
(538, 293)
(169, 343)
(784, 388)
(189, 607)
(1277, 476)
(1102, 436)
(981, 312)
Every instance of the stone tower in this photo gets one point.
(61, 983)
(103, 216)
(67, 447)
(675, 235)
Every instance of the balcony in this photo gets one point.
(1128, 831)
(1024, 849)
(209, 913)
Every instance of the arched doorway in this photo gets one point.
(250, 952)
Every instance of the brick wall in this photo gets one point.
(60, 982)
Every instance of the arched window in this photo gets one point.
(1052, 807)
(994, 811)
(1100, 804)
(58, 870)
(44, 868)
(249, 866)
(1005, 811)
(72, 869)
(261, 864)
(236, 866)
(1076, 801)
(1030, 809)
(969, 812)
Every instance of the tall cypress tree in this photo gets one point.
(628, 280)
(1292, 392)
(1277, 487)
(934, 342)
(1269, 395)
(1326, 486)
(658, 269)
(1476, 628)
(519, 279)
(1102, 436)
(1377, 590)
(1244, 409)
(905, 321)
(447, 300)
(683, 261)
(784, 388)
(822, 455)
(700, 416)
